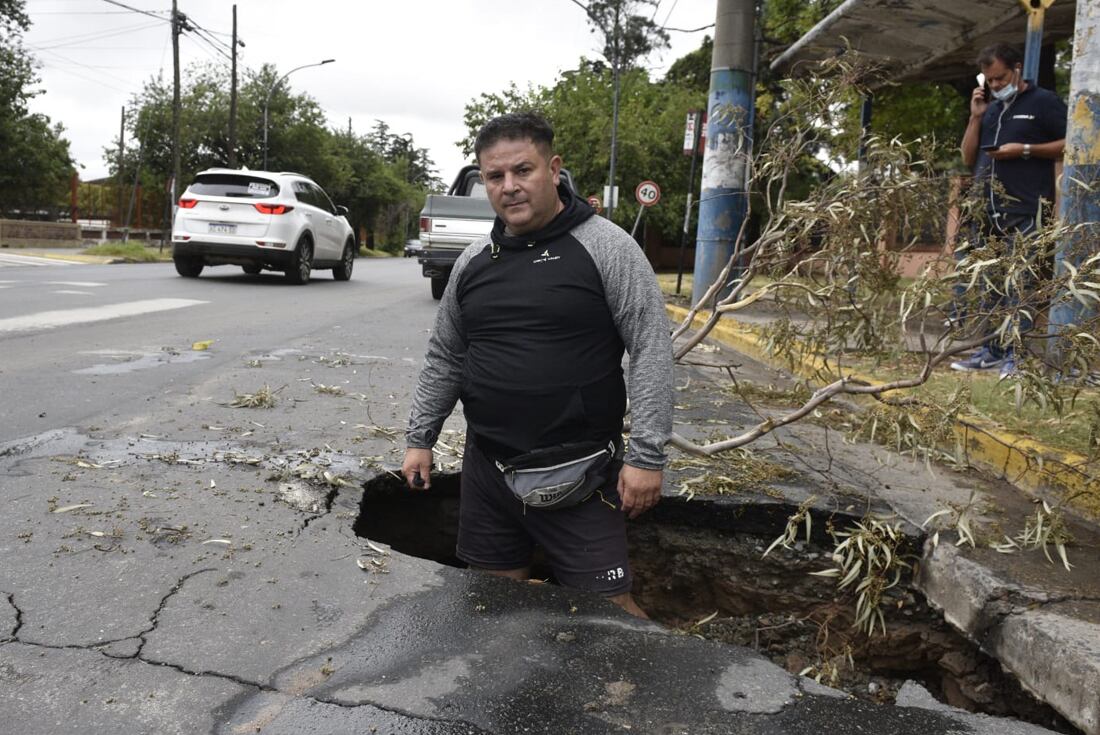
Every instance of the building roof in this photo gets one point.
(929, 40)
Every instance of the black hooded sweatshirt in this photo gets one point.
(544, 359)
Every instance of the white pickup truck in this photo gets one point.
(449, 222)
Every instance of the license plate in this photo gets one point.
(222, 228)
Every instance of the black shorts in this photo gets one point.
(585, 544)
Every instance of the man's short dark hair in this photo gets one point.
(1008, 55)
(515, 126)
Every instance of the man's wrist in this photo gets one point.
(1026, 153)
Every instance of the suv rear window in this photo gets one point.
(234, 185)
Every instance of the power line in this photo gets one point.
(151, 14)
(77, 63)
(62, 41)
(689, 30)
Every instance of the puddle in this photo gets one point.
(695, 560)
(129, 362)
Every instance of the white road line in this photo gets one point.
(78, 284)
(8, 259)
(65, 317)
(75, 293)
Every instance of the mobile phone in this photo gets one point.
(986, 94)
(990, 147)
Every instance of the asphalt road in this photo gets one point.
(83, 343)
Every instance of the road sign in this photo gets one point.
(647, 193)
(594, 202)
(611, 196)
(690, 131)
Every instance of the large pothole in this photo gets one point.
(699, 569)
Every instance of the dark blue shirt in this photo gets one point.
(1035, 115)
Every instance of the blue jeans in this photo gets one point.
(1013, 230)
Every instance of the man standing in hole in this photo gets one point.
(530, 335)
(1016, 132)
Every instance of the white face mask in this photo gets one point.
(1004, 94)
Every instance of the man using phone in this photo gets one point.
(1016, 132)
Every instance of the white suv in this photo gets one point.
(261, 220)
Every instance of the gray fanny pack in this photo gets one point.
(558, 477)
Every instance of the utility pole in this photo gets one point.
(121, 156)
(176, 30)
(724, 198)
(616, 62)
(233, 99)
(1080, 206)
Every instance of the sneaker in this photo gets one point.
(983, 359)
(1008, 369)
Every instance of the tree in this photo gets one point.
(650, 139)
(823, 261)
(627, 37)
(35, 164)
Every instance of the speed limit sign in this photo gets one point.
(647, 193)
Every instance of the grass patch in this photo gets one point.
(131, 252)
(1073, 429)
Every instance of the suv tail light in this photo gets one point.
(272, 208)
(425, 224)
(188, 203)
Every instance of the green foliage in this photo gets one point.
(651, 130)
(381, 177)
(35, 164)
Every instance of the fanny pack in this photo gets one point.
(561, 476)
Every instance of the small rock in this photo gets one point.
(566, 637)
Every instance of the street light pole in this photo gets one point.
(271, 90)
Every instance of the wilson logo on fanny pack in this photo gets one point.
(560, 476)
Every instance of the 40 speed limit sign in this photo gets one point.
(647, 193)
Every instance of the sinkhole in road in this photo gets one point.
(699, 569)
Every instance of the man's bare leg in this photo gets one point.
(520, 574)
(626, 602)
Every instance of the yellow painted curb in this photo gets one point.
(1026, 463)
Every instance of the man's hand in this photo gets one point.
(978, 103)
(417, 467)
(1007, 151)
(639, 489)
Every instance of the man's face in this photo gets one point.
(521, 180)
(998, 75)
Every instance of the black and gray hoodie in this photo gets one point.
(530, 334)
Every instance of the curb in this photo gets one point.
(1028, 464)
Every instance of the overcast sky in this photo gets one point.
(412, 63)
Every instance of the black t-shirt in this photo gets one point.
(1035, 115)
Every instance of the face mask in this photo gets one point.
(1004, 94)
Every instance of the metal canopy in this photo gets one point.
(929, 40)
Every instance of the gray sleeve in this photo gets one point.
(638, 309)
(440, 381)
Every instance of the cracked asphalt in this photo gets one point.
(172, 564)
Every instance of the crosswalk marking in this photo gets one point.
(66, 317)
(74, 293)
(77, 284)
(7, 259)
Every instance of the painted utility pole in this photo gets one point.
(1080, 203)
(233, 99)
(1036, 13)
(722, 203)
